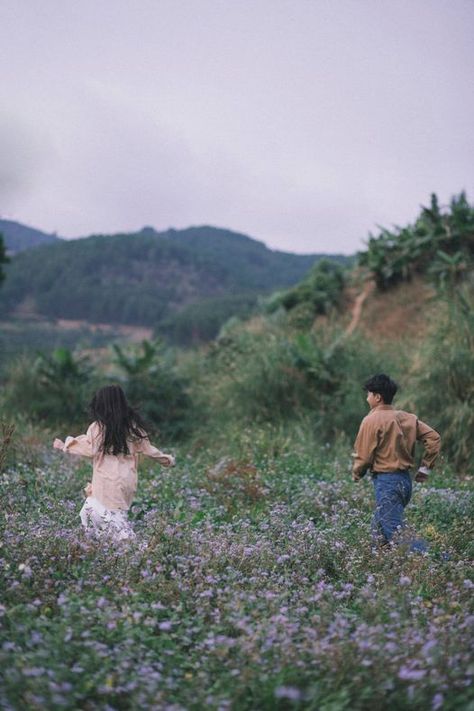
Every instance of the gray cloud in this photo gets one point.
(302, 124)
(23, 157)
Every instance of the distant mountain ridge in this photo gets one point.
(18, 237)
(146, 278)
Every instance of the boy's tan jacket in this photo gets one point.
(386, 442)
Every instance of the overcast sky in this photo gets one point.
(303, 123)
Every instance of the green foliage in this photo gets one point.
(443, 386)
(319, 292)
(439, 244)
(447, 269)
(50, 389)
(153, 385)
(202, 321)
(3, 257)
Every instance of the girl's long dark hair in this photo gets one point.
(118, 421)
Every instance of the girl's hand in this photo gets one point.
(167, 460)
(58, 444)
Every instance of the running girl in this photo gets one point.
(113, 441)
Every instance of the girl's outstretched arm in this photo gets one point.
(83, 445)
(144, 446)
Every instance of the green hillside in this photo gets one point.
(146, 277)
(18, 237)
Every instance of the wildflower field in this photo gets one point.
(251, 585)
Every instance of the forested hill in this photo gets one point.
(18, 237)
(146, 277)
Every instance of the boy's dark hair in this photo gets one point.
(383, 385)
(119, 422)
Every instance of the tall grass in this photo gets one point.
(443, 382)
(277, 375)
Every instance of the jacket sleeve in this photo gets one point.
(431, 441)
(83, 445)
(364, 449)
(144, 446)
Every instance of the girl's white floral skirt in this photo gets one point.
(99, 520)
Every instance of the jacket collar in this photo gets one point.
(379, 408)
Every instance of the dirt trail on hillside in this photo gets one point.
(357, 308)
(134, 333)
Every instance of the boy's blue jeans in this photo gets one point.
(392, 494)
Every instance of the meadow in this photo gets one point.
(251, 585)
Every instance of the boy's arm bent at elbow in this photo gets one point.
(431, 441)
(364, 450)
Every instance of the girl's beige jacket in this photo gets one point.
(114, 477)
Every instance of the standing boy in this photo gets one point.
(385, 445)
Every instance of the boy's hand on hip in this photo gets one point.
(58, 444)
(421, 476)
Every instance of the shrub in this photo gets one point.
(6, 435)
(274, 377)
(50, 389)
(153, 384)
(318, 293)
